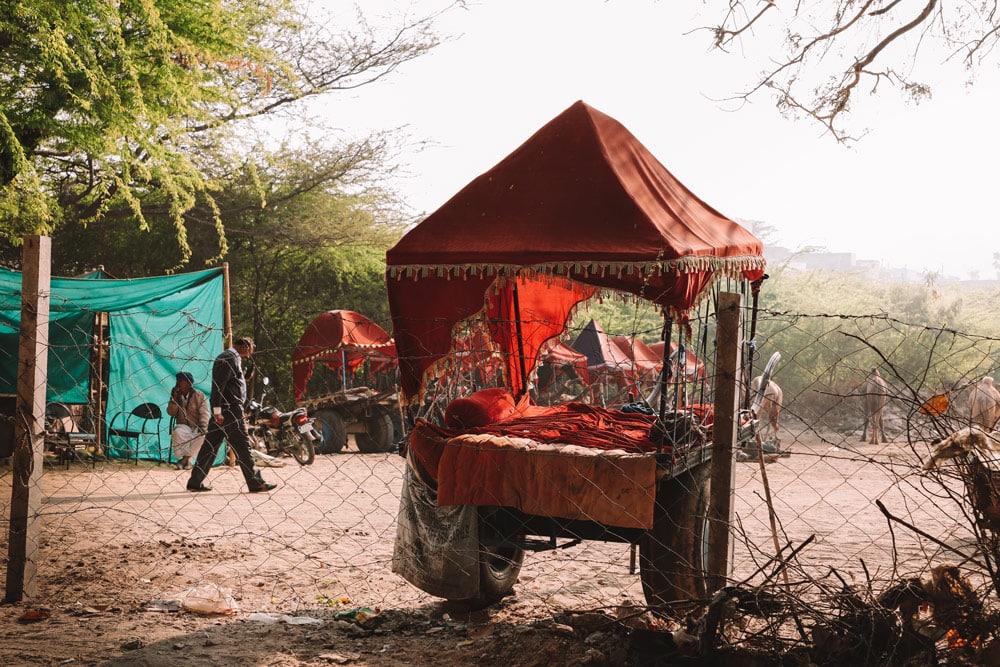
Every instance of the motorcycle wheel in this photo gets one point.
(332, 431)
(377, 436)
(301, 448)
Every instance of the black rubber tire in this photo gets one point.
(499, 566)
(377, 436)
(332, 431)
(672, 556)
(301, 448)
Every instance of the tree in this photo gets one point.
(316, 244)
(106, 109)
(831, 51)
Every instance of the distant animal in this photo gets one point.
(968, 440)
(770, 406)
(984, 403)
(874, 397)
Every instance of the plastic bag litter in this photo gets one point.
(366, 617)
(261, 617)
(162, 605)
(208, 599)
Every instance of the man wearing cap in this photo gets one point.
(189, 408)
(228, 422)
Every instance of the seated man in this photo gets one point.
(189, 407)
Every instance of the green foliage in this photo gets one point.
(832, 328)
(95, 98)
(125, 116)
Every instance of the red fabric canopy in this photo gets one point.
(336, 338)
(558, 353)
(647, 362)
(694, 368)
(601, 352)
(581, 199)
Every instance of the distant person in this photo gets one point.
(228, 401)
(189, 408)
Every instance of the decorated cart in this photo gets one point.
(344, 372)
(581, 210)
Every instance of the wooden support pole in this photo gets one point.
(29, 421)
(227, 317)
(725, 428)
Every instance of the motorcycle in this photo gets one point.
(273, 432)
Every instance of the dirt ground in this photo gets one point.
(305, 572)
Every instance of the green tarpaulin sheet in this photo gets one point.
(157, 327)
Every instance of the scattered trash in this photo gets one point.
(208, 599)
(162, 605)
(339, 658)
(261, 617)
(34, 615)
(328, 601)
(366, 617)
(562, 628)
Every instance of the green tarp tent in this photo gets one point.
(156, 327)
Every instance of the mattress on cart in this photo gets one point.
(572, 461)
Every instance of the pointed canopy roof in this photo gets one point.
(601, 351)
(579, 207)
(645, 359)
(582, 191)
(338, 337)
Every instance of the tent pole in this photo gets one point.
(343, 372)
(227, 318)
(520, 341)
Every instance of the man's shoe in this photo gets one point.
(263, 488)
(200, 487)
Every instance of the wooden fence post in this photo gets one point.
(725, 427)
(29, 420)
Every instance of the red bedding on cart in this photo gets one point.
(573, 461)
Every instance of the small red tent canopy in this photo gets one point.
(557, 353)
(647, 362)
(603, 356)
(340, 337)
(694, 368)
(581, 206)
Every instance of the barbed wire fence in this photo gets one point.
(822, 513)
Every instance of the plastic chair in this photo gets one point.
(143, 419)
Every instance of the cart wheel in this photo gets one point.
(672, 556)
(499, 559)
(377, 436)
(332, 431)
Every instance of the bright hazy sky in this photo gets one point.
(918, 191)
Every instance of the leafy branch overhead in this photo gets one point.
(832, 53)
(117, 109)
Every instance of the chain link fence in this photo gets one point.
(818, 511)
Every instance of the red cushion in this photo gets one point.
(482, 408)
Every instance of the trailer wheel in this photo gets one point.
(377, 436)
(672, 556)
(332, 431)
(499, 559)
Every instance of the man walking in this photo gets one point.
(228, 398)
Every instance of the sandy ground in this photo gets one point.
(122, 543)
